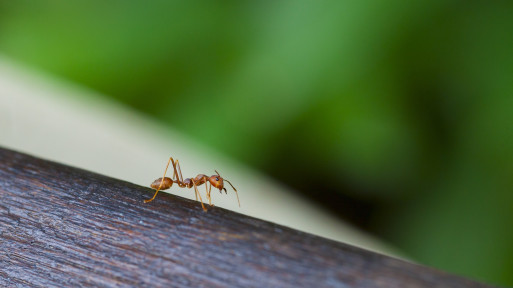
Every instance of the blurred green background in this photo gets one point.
(396, 115)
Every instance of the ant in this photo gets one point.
(165, 183)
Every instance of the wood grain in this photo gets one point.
(65, 227)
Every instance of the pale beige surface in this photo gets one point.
(55, 120)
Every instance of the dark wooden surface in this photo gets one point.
(66, 227)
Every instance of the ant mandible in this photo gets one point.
(164, 183)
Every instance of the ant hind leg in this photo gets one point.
(162, 181)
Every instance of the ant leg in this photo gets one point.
(197, 192)
(176, 164)
(154, 195)
(209, 189)
(208, 195)
(175, 173)
(162, 181)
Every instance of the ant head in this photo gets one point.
(217, 181)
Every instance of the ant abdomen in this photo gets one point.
(166, 184)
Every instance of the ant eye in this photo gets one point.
(217, 178)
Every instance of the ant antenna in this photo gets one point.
(232, 187)
(234, 190)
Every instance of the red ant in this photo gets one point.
(165, 183)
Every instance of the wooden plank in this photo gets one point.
(66, 227)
